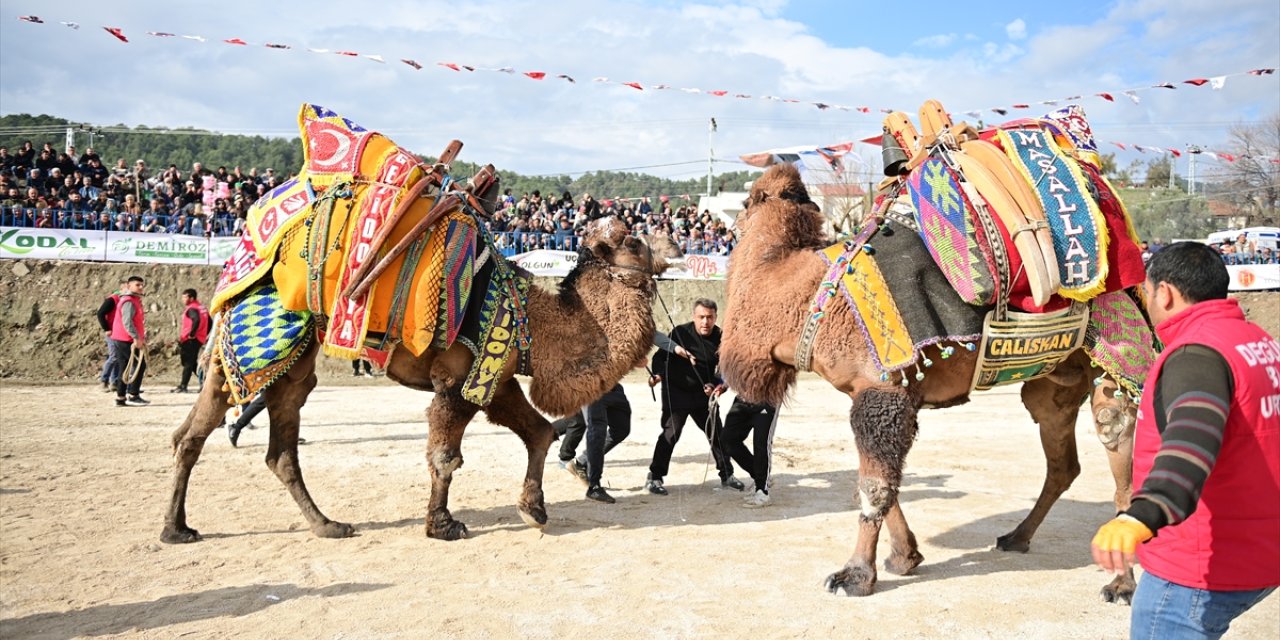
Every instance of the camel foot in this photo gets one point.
(1011, 542)
(446, 530)
(851, 581)
(902, 564)
(535, 516)
(1120, 590)
(179, 535)
(333, 529)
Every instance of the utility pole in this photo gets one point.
(711, 153)
(1173, 168)
(1192, 152)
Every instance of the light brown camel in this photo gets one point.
(585, 337)
(772, 278)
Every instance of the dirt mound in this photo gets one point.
(48, 332)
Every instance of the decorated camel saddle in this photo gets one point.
(366, 248)
(1020, 227)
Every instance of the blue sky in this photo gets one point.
(972, 55)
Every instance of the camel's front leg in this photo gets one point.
(1114, 418)
(510, 408)
(284, 401)
(1055, 408)
(188, 442)
(884, 424)
(447, 419)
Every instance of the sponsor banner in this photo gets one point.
(51, 244)
(1254, 277)
(113, 246)
(546, 262)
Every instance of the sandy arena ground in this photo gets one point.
(84, 485)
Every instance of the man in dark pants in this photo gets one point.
(761, 420)
(606, 423)
(687, 386)
(106, 318)
(195, 330)
(129, 335)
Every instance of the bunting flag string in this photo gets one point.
(1214, 82)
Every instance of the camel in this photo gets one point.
(585, 337)
(772, 278)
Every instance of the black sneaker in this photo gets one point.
(233, 433)
(654, 486)
(598, 494)
(577, 470)
(138, 400)
(120, 402)
(178, 389)
(732, 483)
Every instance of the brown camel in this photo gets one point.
(772, 279)
(585, 337)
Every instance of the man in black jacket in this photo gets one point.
(687, 387)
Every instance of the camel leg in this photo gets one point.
(284, 400)
(904, 553)
(884, 426)
(447, 419)
(510, 408)
(1114, 418)
(1055, 408)
(188, 441)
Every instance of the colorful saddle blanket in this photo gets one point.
(258, 340)
(312, 234)
(903, 301)
(1096, 245)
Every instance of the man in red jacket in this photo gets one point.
(129, 335)
(1206, 458)
(194, 333)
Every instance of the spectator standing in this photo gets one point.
(129, 333)
(1206, 512)
(194, 333)
(106, 315)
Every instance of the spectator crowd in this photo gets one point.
(65, 190)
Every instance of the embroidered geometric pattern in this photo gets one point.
(259, 340)
(1120, 341)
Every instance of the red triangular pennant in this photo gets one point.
(235, 41)
(634, 85)
(449, 65)
(718, 92)
(1106, 96)
(536, 75)
(1196, 81)
(117, 32)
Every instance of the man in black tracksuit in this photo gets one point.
(760, 420)
(605, 423)
(686, 389)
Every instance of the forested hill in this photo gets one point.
(161, 147)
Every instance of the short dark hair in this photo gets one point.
(705, 303)
(1195, 269)
(136, 279)
(190, 293)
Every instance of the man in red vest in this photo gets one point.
(129, 335)
(1206, 458)
(195, 331)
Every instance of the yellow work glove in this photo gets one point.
(1116, 542)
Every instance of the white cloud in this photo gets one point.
(935, 42)
(552, 126)
(1016, 30)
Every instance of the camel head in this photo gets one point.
(780, 210)
(608, 239)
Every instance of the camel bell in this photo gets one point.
(895, 157)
